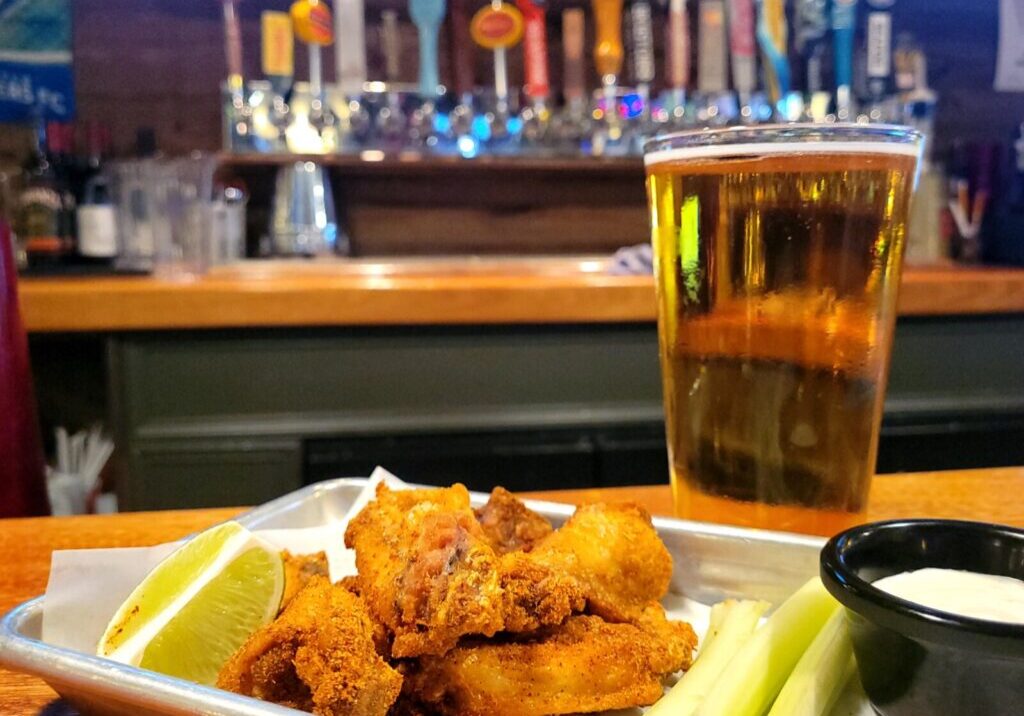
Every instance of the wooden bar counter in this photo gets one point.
(426, 292)
(25, 545)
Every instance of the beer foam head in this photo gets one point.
(748, 150)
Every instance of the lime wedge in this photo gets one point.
(198, 605)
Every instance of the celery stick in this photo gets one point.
(821, 675)
(719, 614)
(736, 622)
(757, 673)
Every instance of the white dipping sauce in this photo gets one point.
(969, 594)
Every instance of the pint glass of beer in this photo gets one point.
(777, 261)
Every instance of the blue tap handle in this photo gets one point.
(843, 21)
(427, 15)
(429, 75)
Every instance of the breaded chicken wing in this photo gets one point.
(509, 525)
(298, 570)
(584, 665)
(615, 553)
(428, 573)
(318, 656)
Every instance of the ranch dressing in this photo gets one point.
(968, 594)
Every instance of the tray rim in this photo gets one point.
(55, 664)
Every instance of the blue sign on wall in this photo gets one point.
(36, 78)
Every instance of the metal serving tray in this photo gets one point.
(712, 562)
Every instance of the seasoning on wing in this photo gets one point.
(582, 666)
(298, 570)
(509, 525)
(318, 656)
(615, 553)
(427, 571)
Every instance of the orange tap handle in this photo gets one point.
(608, 53)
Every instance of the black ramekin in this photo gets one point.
(916, 661)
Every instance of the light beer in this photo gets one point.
(777, 265)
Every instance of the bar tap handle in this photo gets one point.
(238, 124)
(608, 51)
(427, 16)
(314, 25)
(844, 16)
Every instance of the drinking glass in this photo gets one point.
(778, 253)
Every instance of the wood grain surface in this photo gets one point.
(25, 545)
(280, 294)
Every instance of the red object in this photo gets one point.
(535, 49)
(22, 476)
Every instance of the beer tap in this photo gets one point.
(278, 65)
(744, 61)
(498, 27)
(390, 119)
(712, 59)
(238, 117)
(608, 58)
(811, 24)
(844, 13)
(427, 16)
(878, 54)
(461, 52)
(537, 116)
(350, 66)
(641, 27)
(312, 22)
(573, 124)
(350, 50)
(773, 38)
(677, 58)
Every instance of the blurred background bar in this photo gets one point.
(264, 243)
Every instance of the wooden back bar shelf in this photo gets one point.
(419, 205)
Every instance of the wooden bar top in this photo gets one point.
(25, 545)
(426, 292)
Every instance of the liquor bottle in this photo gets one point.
(61, 142)
(96, 217)
(40, 224)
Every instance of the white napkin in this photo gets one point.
(87, 586)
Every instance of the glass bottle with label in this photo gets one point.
(40, 223)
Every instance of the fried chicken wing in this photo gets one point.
(298, 569)
(582, 666)
(427, 572)
(509, 525)
(318, 656)
(617, 556)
